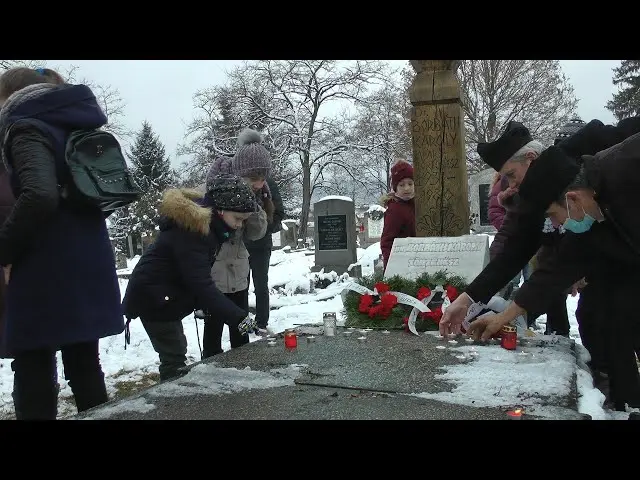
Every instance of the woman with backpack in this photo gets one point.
(173, 277)
(62, 292)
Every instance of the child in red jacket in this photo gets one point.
(400, 217)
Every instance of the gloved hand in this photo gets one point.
(248, 324)
(200, 314)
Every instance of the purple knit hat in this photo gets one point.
(220, 166)
(252, 158)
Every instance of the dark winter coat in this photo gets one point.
(63, 288)
(6, 205)
(399, 222)
(524, 232)
(610, 249)
(274, 225)
(173, 277)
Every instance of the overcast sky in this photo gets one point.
(161, 91)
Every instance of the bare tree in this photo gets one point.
(7, 64)
(108, 97)
(494, 92)
(291, 99)
(383, 125)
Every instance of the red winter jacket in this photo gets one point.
(399, 222)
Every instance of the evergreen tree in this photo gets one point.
(152, 171)
(626, 103)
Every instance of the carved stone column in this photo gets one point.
(440, 169)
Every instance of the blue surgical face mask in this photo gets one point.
(576, 226)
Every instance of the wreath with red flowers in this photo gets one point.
(381, 308)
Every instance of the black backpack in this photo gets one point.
(98, 172)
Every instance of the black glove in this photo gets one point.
(248, 324)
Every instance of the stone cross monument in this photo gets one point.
(440, 170)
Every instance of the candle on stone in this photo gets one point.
(440, 337)
(272, 344)
(441, 347)
(461, 357)
(311, 339)
(469, 340)
(386, 332)
(362, 339)
(515, 414)
(453, 342)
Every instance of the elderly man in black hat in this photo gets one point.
(539, 185)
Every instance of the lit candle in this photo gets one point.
(453, 342)
(515, 414)
(452, 335)
(473, 354)
(311, 339)
(441, 347)
(461, 357)
(386, 332)
(469, 340)
(363, 331)
(348, 332)
(271, 344)
(351, 329)
(368, 329)
(439, 337)
(362, 339)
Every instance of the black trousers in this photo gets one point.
(608, 327)
(557, 317)
(35, 380)
(170, 344)
(213, 326)
(259, 264)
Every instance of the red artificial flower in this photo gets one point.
(381, 288)
(366, 301)
(452, 292)
(405, 321)
(435, 315)
(389, 301)
(423, 292)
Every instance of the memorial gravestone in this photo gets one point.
(479, 191)
(465, 256)
(335, 235)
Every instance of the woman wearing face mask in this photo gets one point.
(400, 216)
(173, 277)
(595, 202)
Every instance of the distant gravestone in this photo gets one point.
(373, 224)
(479, 190)
(465, 256)
(289, 233)
(335, 234)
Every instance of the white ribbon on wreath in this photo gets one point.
(413, 316)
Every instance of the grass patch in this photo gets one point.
(126, 388)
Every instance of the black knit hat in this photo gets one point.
(229, 192)
(569, 129)
(546, 178)
(496, 153)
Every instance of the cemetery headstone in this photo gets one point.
(465, 256)
(335, 234)
(479, 190)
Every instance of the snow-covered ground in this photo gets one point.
(290, 280)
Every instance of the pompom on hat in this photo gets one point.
(251, 158)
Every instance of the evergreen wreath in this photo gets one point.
(382, 311)
(376, 214)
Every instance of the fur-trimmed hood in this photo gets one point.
(391, 197)
(180, 207)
